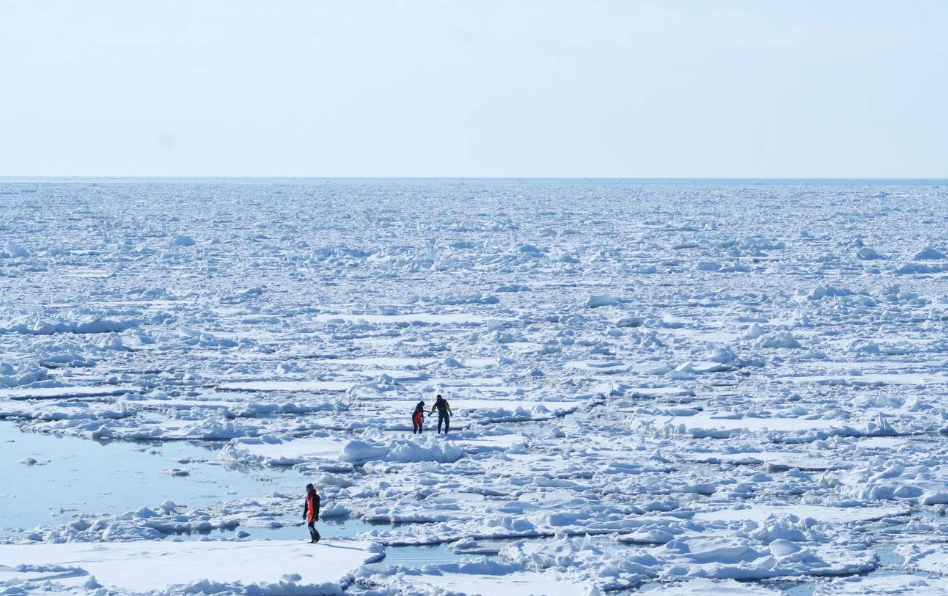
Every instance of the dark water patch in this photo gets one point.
(72, 475)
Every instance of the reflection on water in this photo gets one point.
(73, 475)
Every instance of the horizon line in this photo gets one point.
(9, 178)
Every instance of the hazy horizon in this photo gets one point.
(606, 89)
(685, 180)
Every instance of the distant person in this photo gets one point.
(418, 418)
(444, 413)
(311, 512)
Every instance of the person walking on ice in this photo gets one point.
(418, 418)
(311, 512)
(444, 413)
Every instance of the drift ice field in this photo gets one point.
(665, 389)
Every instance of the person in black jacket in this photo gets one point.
(311, 512)
(444, 413)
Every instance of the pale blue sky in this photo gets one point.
(478, 88)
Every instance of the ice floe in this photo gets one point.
(657, 387)
(262, 567)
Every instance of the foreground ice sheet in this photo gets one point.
(659, 385)
(277, 567)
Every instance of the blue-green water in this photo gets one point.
(83, 476)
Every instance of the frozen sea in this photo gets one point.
(663, 387)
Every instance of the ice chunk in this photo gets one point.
(630, 322)
(13, 251)
(778, 339)
(867, 254)
(182, 240)
(595, 301)
(360, 451)
(928, 254)
(783, 548)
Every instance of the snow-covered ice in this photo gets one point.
(266, 567)
(677, 388)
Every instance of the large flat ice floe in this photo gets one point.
(895, 584)
(25, 393)
(831, 515)
(480, 578)
(261, 567)
(286, 386)
(708, 587)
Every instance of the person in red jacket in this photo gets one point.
(418, 418)
(311, 512)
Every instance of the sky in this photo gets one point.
(591, 88)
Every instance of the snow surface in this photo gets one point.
(190, 567)
(665, 386)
